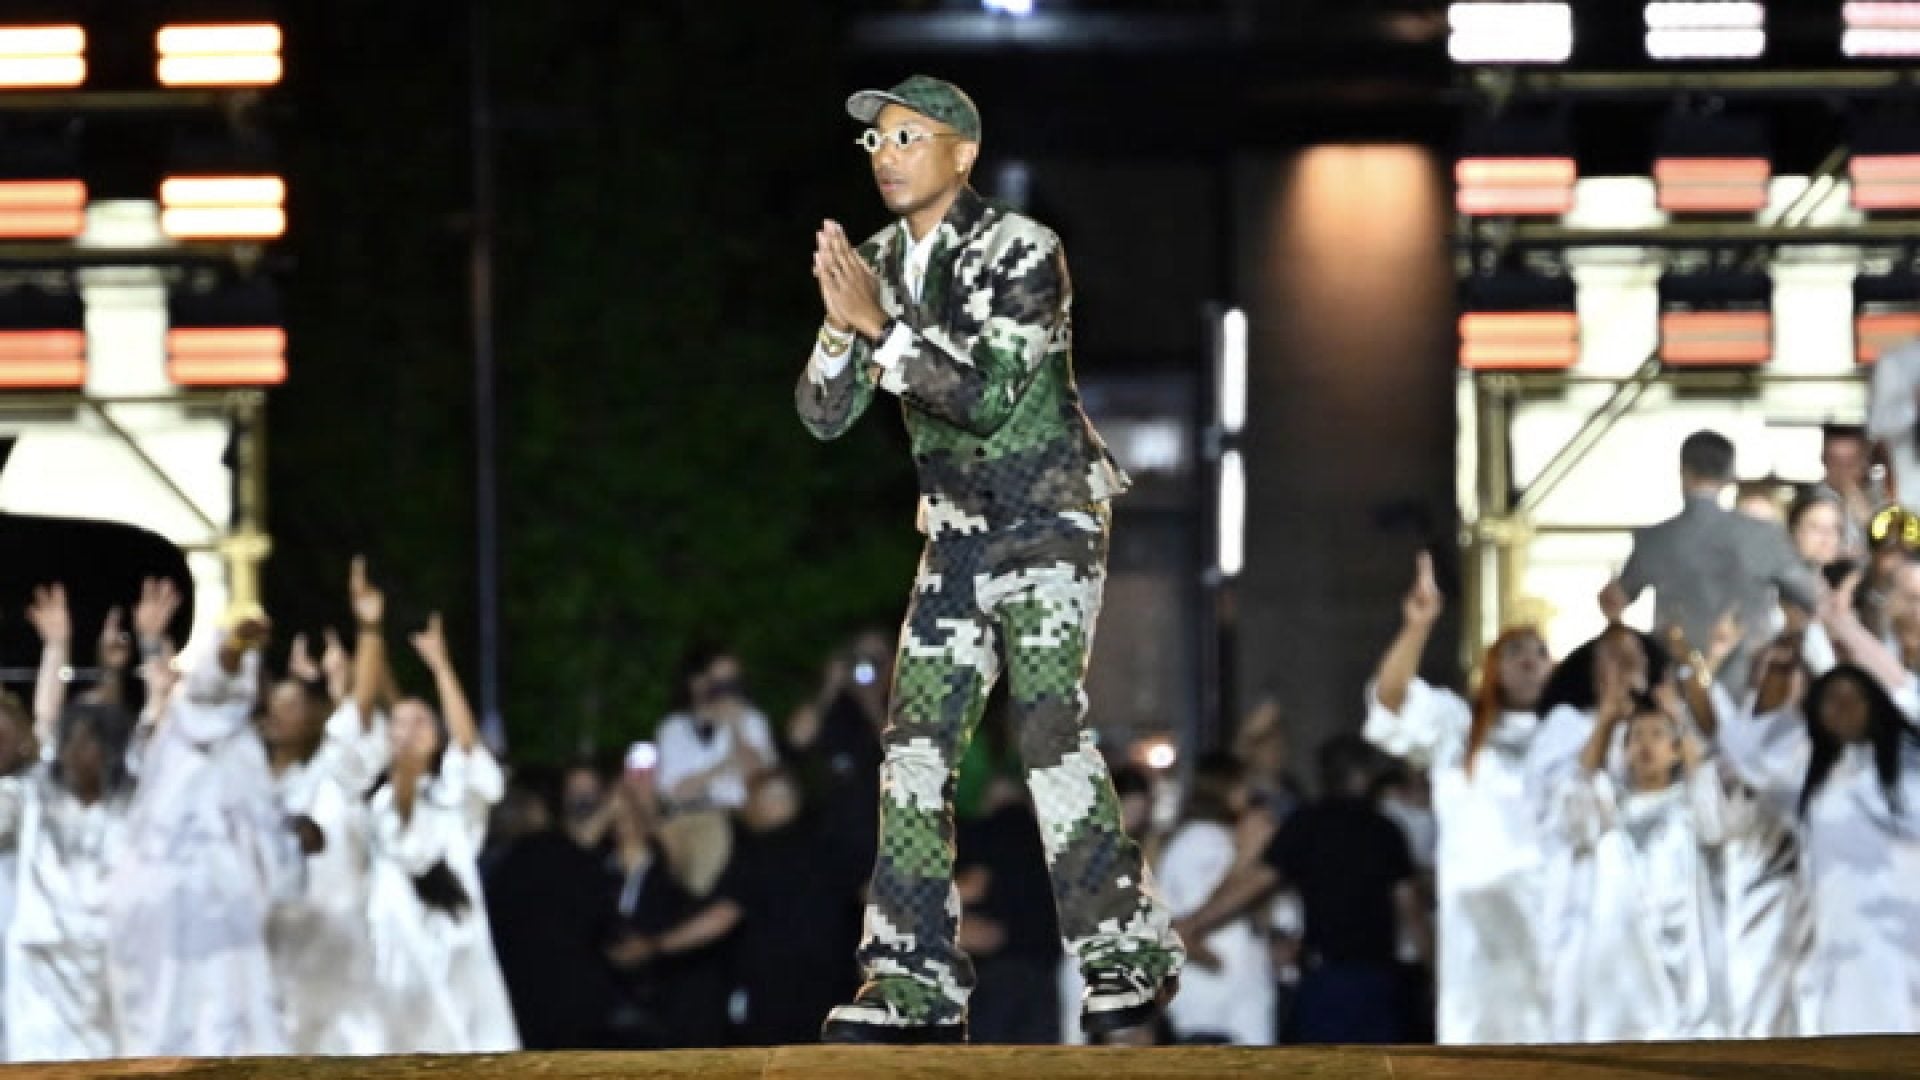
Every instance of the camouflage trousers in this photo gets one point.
(1025, 597)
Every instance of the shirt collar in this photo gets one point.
(965, 213)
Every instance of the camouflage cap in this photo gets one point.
(933, 98)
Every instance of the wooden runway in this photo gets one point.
(1810, 1059)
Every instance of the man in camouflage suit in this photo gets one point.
(960, 309)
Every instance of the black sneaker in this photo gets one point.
(1118, 999)
(875, 1017)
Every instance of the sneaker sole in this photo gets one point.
(1109, 1021)
(849, 1031)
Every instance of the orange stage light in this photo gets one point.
(1519, 340)
(1520, 186)
(1712, 185)
(227, 355)
(42, 209)
(1716, 338)
(43, 359)
(1885, 181)
(1874, 332)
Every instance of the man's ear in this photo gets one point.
(966, 154)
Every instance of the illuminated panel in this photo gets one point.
(1712, 184)
(1880, 29)
(1728, 30)
(1518, 186)
(1519, 340)
(42, 57)
(42, 209)
(1874, 332)
(223, 207)
(1885, 181)
(214, 55)
(227, 355)
(1716, 338)
(43, 359)
(1509, 33)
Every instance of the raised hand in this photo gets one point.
(1424, 602)
(300, 662)
(431, 644)
(48, 614)
(116, 649)
(159, 602)
(160, 673)
(369, 603)
(336, 664)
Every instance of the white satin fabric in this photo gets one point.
(320, 941)
(1863, 862)
(1488, 865)
(1652, 954)
(56, 997)
(208, 855)
(439, 979)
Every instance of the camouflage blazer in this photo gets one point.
(983, 367)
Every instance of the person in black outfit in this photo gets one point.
(661, 1002)
(546, 902)
(1355, 876)
(769, 909)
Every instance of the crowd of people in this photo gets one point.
(1703, 830)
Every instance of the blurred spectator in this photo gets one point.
(661, 1002)
(1709, 562)
(1817, 524)
(771, 904)
(715, 739)
(712, 743)
(834, 743)
(1261, 745)
(1010, 928)
(1847, 474)
(1355, 877)
(1233, 1003)
(548, 905)
(583, 802)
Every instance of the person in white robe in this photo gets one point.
(208, 854)
(323, 767)
(1768, 920)
(1652, 960)
(64, 821)
(440, 982)
(1843, 758)
(1232, 1002)
(17, 754)
(1568, 708)
(1491, 986)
